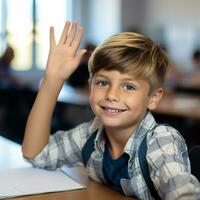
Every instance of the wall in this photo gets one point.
(174, 23)
(133, 14)
(104, 19)
(147, 14)
(177, 12)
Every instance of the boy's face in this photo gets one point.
(119, 100)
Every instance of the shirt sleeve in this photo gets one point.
(64, 148)
(169, 165)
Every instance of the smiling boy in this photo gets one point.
(126, 81)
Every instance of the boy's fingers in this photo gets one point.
(72, 33)
(64, 34)
(77, 39)
(52, 38)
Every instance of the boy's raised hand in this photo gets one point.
(64, 57)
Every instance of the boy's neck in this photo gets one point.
(117, 139)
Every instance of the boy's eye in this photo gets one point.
(102, 83)
(129, 87)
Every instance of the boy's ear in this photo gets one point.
(155, 98)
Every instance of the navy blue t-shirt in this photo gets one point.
(114, 170)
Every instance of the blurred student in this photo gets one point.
(195, 78)
(192, 79)
(7, 79)
(196, 60)
(126, 83)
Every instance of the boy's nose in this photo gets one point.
(112, 95)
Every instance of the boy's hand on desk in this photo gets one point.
(64, 57)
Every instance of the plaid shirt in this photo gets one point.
(167, 157)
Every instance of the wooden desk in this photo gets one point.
(180, 105)
(10, 157)
(94, 191)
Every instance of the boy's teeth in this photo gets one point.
(113, 110)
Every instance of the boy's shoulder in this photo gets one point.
(162, 129)
(164, 134)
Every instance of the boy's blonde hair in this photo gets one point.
(134, 54)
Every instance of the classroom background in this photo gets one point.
(24, 45)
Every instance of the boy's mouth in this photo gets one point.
(113, 110)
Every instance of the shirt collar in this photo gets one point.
(147, 124)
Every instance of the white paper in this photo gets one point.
(28, 181)
(11, 155)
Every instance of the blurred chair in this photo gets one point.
(194, 155)
(15, 105)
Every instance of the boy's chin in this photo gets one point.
(111, 123)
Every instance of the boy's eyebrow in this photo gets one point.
(100, 75)
(123, 79)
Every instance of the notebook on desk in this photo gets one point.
(31, 181)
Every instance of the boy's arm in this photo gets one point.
(170, 169)
(62, 61)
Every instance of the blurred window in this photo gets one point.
(100, 28)
(25, 26)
